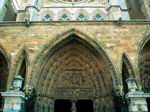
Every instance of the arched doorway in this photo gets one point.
(4, 72)
(145, 70)
(74, 71)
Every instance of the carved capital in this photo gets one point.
(133, 84)
(118, 91)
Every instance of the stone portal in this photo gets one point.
(76, 71)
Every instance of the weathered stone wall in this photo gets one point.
(114, 39)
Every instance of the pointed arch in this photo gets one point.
(143, 61)
(82, 15)
(47, 15)
(100, 13)
(5, 53)
(127, 61)
(21, 64)
(64, 15)
(65, 37)
(127, 70)
(74, 65)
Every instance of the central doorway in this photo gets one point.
(74, 69)
(84, 106)
(62, 106)
(79, 105)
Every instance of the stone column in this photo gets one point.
(3, 9)
(136, 98)
(96, 104)
(14, 99)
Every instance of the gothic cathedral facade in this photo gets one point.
(74, 55)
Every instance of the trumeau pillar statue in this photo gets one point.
(51, 105)
(96, 105)
(73, 107)
(14, 99)
(136, 98)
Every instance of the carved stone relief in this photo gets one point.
(74, 83)
(145, 72)
(75, 71)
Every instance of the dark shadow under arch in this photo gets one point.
(21, 65)
(4, 73)
(126, 71)
(127, 62)
(4, 68)
(141, 46)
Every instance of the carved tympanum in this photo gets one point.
(74, 70)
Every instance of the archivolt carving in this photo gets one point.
(66, 37)
(144, 65)
(145, 72)
(142, 43)
(143, 62)
(75, 65)
(73, 69)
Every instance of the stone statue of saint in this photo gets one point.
(132, 84)
(50, 106)
(96, 105)
(73, 108)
